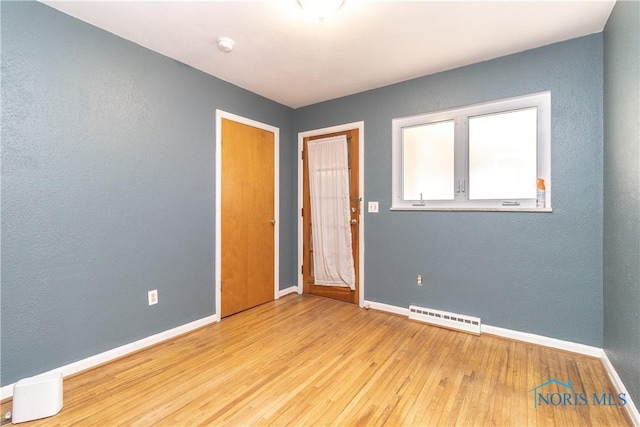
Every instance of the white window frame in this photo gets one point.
(542, 101)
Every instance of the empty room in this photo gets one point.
(177, 250)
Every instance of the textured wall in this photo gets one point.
(108, 189)
(621, 193)
(533, 272)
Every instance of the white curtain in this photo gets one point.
(330, 217)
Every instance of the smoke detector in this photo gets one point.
(225, 44)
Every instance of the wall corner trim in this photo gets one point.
(618, 385)
(115, 353)
(287, 291)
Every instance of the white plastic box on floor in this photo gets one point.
(37, 397)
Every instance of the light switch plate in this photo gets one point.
(372, 207)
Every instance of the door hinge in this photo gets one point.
(302, 269)
(301, 211)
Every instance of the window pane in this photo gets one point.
(427, 161)
(502, 155)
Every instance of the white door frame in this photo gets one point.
(218, 200)
(323, 131)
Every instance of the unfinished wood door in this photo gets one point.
(247, 217)
(309, 286)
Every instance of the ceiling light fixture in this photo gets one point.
(225, 44)
(321, 9)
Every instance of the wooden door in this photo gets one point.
(247, 217)
(309, 287)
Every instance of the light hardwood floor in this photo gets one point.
(305, 360)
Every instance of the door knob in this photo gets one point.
(272, 221)
(354, 221)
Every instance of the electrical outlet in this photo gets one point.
(153, 297)
(419, 280)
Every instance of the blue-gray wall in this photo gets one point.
(621, 193)
(534, 272)
(108, 189)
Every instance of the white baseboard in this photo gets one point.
(386, 307)
(507, 333)
(109, 355)
(631, 408)
(289, 290)
(542, 340)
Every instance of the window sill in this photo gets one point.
(469, 209)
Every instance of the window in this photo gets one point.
(482, 157)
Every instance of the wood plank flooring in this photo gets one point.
(305, 360)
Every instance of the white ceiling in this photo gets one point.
(287, 56)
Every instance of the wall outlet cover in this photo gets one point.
(153, 297)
